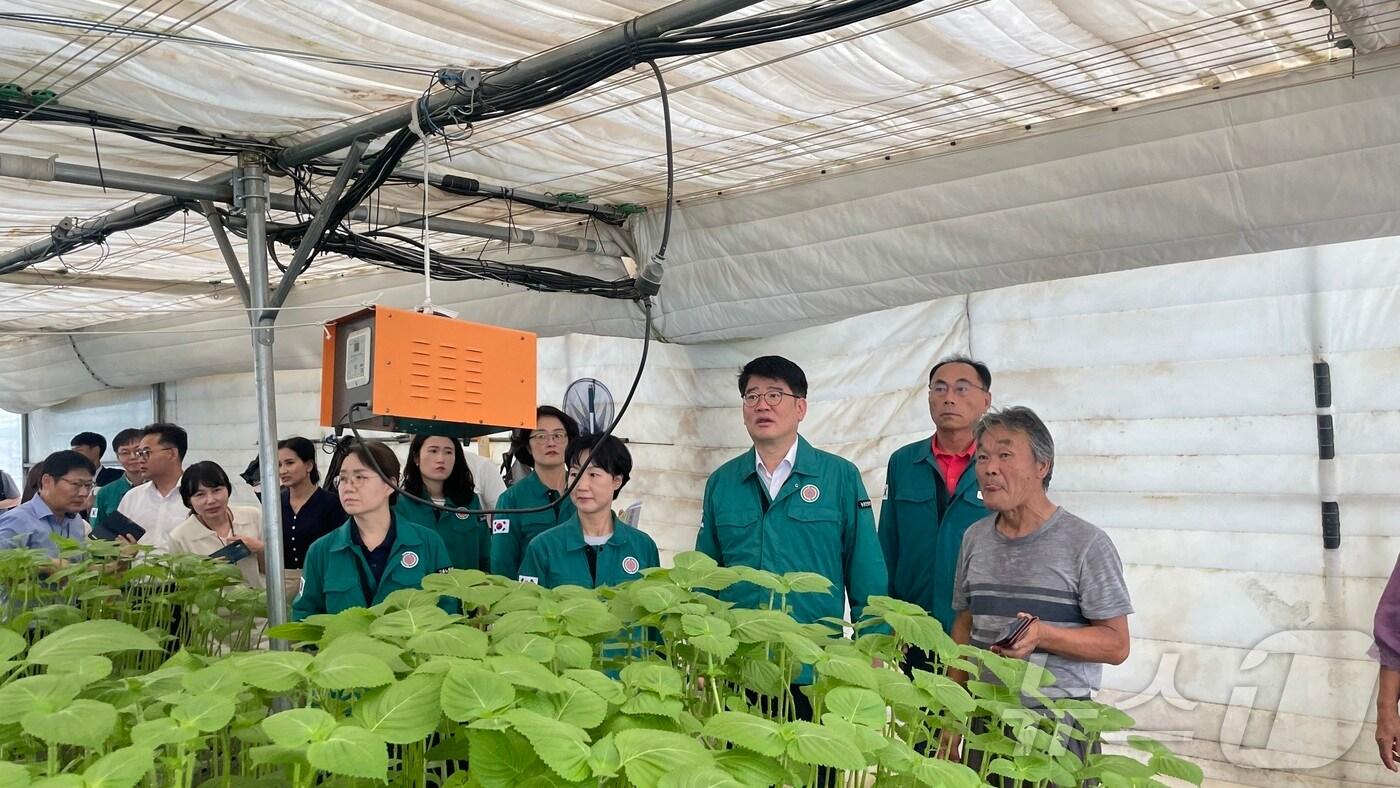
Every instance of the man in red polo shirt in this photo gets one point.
(931, 493)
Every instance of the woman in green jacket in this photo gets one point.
(511, 534)
(437, 472)
(374, 553)
(594, 548)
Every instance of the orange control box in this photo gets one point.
(396, 370)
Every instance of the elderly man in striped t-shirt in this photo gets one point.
(1034, 581)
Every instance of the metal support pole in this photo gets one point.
(235, 271)
(253, 176)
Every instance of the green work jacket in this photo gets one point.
(468, 542)
(556, 557)
(109, 497)
(922, 527)
(511, 534)
(819, 522)
(336, 575)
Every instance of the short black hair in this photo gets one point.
(983, 373)
(126, 437)
(570, 425)
(90, 439)
(777, 368)
(604, 451)
(60, 463)
(202, 474)
(170, 435)
(305, 451)
(376, 456)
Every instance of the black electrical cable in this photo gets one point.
(348, 423)
(670, 160)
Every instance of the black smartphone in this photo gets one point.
(233, 552)
(1014, 631)
(117, 524)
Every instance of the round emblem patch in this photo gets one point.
(409, 559)
(810, 493)
(462, 515)
(630, 565)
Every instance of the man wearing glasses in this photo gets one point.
(785, 506)
(155, 505)
(64, 489)
(931, 494)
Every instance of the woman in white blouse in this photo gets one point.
(213, 524)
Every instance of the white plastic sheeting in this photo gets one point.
(896, 86)
(1262, 170)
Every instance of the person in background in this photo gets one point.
(9, 492)
(786, 506)
(592, 548)
(155, 504)
(110, 496)
(64, 487)
(374, 553)
(931, 495)
(487, 483)
(93, 446)
(213, 524)
(31, 483)
(1386, 651)
(511, 534)
(437, 472)
(308, 511)
(1035, 566)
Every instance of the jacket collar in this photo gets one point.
(805, 464)
(573, 533)
(404, 535)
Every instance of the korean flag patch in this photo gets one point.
(529, 579)
(500, 525)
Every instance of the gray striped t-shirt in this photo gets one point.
(1067, 572)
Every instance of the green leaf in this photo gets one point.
(1170, 765)
(351, 751)
(712, 777)
(572, 652)
(404, 712)
(122, 768)
(273, 671)
(747, 730)
(649, 755)
(651, 703)
(60, 781)
(296, 632)
(86, 638)
(11, 644)
(925, 632)
(347, 670)
(298, 727)
(359, 643)
(763, 579)
(812, 744)
(470, 692)
(849, 669)
(519, 622)
(531, 646)
(84, 723)
(761, 626)
(585, 616)
(221, 677)
(938, 772)
(857, 706)
(12, 775)
(563, 747)
(609, 689)
(523, 673)
(656, 597)
(405, 624)
(500, 759)
(807, 582)
(764, 678)
(276, 755)
(656, 677)
(84, 670)
(206, 712)
(455, 641)
(161, 731)
(802, 647)
(579, 706)
(947, 694)
(753, 769)
(34, 693)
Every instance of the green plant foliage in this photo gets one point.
(105, 683)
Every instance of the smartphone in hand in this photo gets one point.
(1014, 631)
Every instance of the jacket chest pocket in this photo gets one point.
(916, 508)
(344, 592)
(738, 533)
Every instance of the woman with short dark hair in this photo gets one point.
(374, 553)
(213, 524)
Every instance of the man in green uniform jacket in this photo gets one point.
(109, 496)
(512, 532)
(931, 493)
(785, 506)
